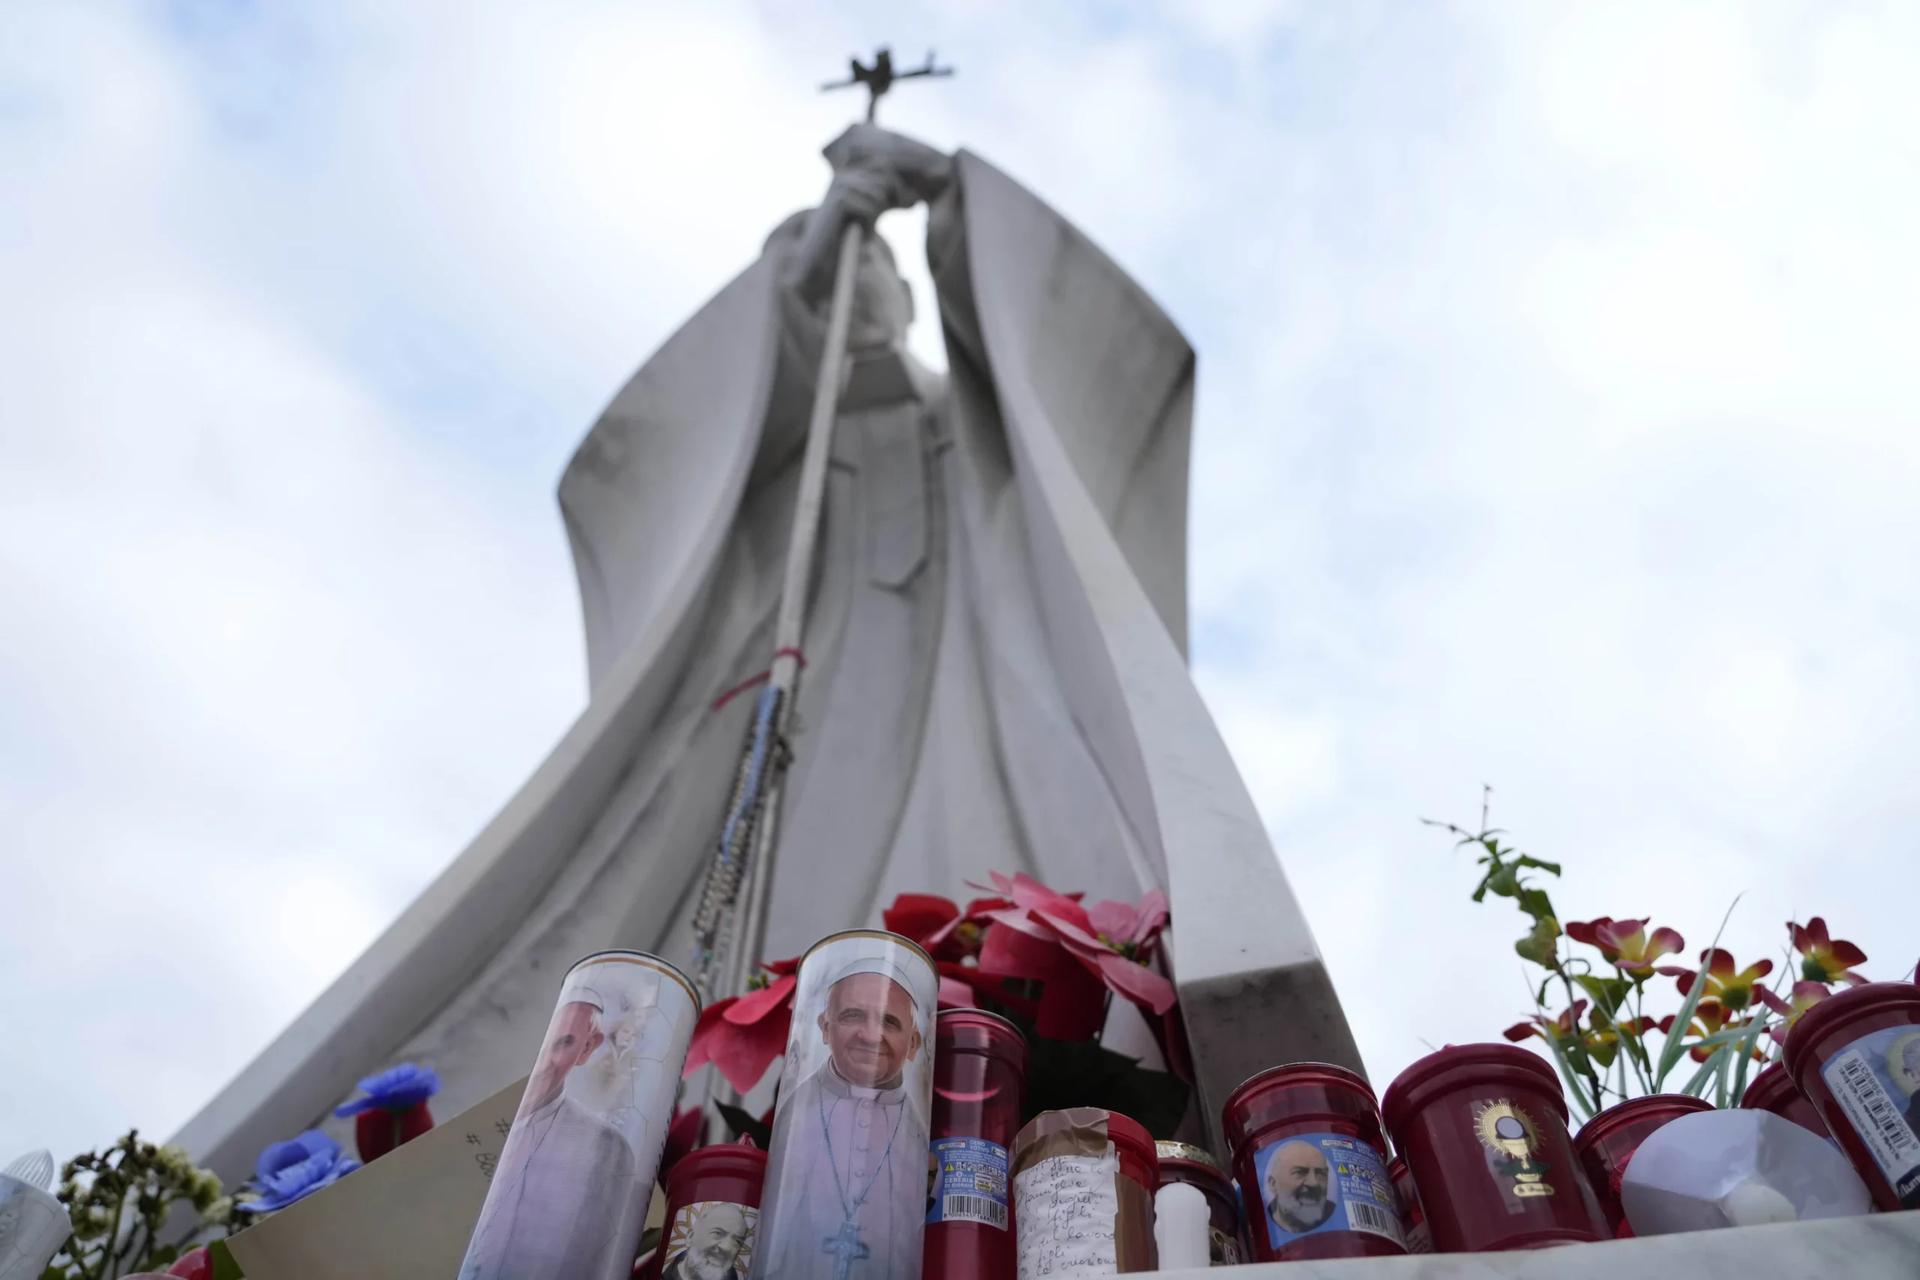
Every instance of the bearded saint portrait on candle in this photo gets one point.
(846, 1190)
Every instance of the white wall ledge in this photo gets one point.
(1883, 1246)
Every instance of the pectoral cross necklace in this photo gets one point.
(845, 1245)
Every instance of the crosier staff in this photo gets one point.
(730, 926)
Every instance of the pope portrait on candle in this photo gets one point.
(852, 1203)
(563, 1171)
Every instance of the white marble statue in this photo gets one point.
(995, 670)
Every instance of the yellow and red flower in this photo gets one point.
(1734, 991)
(1822, 959)
(1626, 944)
(1710, 1017)
(1803, 997)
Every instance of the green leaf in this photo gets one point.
(1528, 860)
(1535, 903)
(1608, 994)
(1576, 1084)
(1539, 945)
(1738, 1089)
(1505, 881)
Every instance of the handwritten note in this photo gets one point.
(1065, 1206)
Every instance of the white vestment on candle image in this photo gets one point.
(851, 1155)
(553, 1212)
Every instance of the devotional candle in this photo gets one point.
(1607, 1142)
(1083, 1184)
(1195, 1166)
(979, 1075)
(1774, 1090)
(713, 1213)
(1856, 1056)
(1311, 1160)
(568, 1200)
(1484, 1131)
(846, 1189)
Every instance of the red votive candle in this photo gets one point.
(1195, 1166)
(1412, 1216)
(1608, 1141)
(1083, 1184)
(1856, 1056)
(713, 1212)
(979, 1074)
(1484, 1130)
(1774, 1090)
(1311, 1161)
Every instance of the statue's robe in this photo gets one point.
(995, 678)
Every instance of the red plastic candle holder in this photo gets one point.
(1608, 1141)
(1311, 1160)
(1484, 1131)
(700, 1187)
(1774, 1090)
(979, 1073)
(1856, 1056)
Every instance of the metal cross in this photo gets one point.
(880, 76)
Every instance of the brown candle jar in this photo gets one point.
(1184, 1162)
(1607, 1142)
(1083, 1183)
(1310, 1158)
(1774, 1090)
(1484, 1130)
(1856, 1055)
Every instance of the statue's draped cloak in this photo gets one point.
(995, 679)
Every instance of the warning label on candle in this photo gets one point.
(969, 1182)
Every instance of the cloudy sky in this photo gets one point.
(1557, 429)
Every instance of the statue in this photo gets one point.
(994, 672)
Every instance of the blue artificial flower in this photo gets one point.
(400, 1088)
(287, 1171)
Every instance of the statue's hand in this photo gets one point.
(875, 170)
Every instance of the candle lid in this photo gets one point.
(1186, 1151)
(1500, 1065)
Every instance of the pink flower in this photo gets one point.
(1046, 935)
(743, 1035)
(1821, 958)
(1626, 944)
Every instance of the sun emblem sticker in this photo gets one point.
(1510, 1134)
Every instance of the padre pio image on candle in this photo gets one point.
(846, 1189)
(568, 1200)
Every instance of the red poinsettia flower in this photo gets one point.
(1626, 944)
(1556, 1029)
(953, 938)
(1075, 952)
(743, 1035)
(1821, 958)
(1803, 997)
(939, 925)
(1733, 990)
